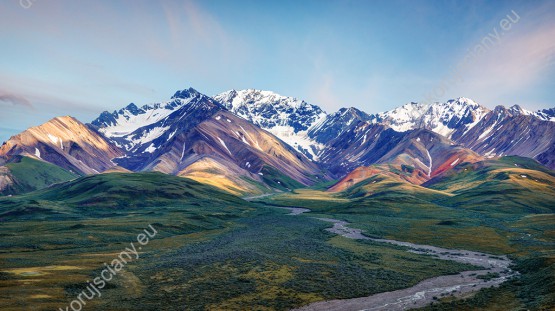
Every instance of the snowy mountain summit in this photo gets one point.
(443, 118)
(141, 131)
(287, 118)
(132, 128)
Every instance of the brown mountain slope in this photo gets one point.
(66, 142)
(225, 145)
(195, 136)
(504, 132)
(415, 155)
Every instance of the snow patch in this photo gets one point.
(429, 167)
(182, 152)
(244, 140)
(171, 134)
(150, 149)
(490, 153)
(223, 144)
(127, 123)
(298, 140)
(53, 139)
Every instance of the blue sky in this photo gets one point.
(80, 58)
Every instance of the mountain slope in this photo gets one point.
(510, 132)
(106, 194)
(223, 175)
(287, 118)
(139, 131)
(489, 133)
(195, 136)
(384, 187)
(65, 142)
(415, 155)
(509, 184)
(233, 147)
(336, 123)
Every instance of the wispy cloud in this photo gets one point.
(518, 62)
(84, 57)
(523, 60)
(200, 42)
(14, 99)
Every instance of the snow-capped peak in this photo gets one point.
(186, 93)
(546, 114)
(235, 100)
(442, 118)
(121, 125)
(517, 110)
(286, 117)
(464, 100)
(145, 115)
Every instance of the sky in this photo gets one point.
(80, 58)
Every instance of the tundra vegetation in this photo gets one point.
(214, 250)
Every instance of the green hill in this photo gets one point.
(23, 174)
(105, 194)
(509, 184)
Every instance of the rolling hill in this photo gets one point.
(23, 174)
(105, 194)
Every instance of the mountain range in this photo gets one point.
(253, 142)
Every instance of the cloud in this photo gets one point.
(521, 61)
(49, 96)
(196, 33)
(14, 99)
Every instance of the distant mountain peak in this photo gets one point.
(186, 93)
(286, 117)
(443, 118)
(464, 100)
(66, 142)
(349, 110)
(546, 114)
(134, 129)
(234, 99)
(194, 135)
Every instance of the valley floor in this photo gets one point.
(496, 270)
(213, 251)
(266, 261)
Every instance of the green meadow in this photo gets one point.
(215, 251)
(495, 207)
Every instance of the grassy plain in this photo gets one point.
(216, 251)
(501, 206)
(213, 250)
